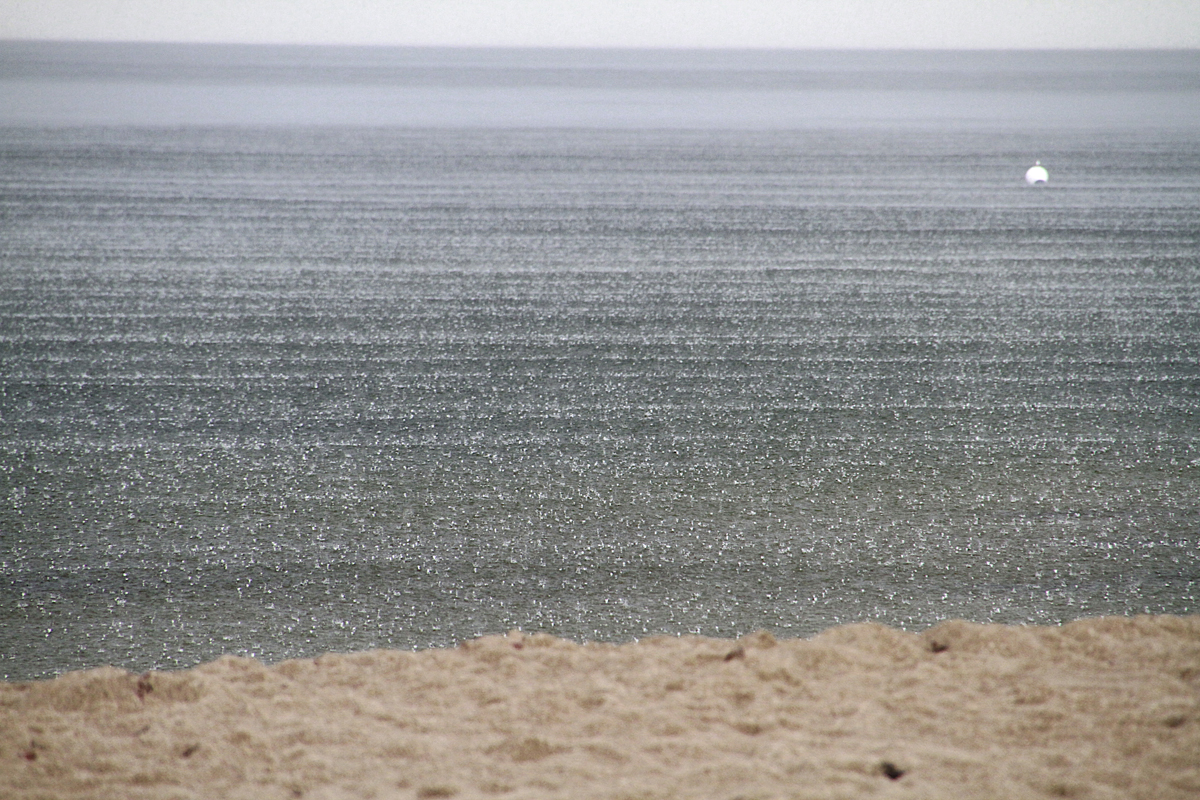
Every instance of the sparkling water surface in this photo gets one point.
(280, 391)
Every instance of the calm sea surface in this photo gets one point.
(280, 386)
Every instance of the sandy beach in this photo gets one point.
(1099, 708)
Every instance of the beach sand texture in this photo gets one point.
(1099, 708)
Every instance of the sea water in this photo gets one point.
(612, 357)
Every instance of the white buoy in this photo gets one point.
(1036, 174)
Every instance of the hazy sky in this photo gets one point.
(669, 23)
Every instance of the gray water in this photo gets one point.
(287, 389)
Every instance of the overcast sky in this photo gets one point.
(620, 23)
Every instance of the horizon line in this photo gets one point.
(674, 48)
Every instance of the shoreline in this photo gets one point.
(1101, 707)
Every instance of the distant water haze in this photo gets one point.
(186, 84)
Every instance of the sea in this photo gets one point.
(312, 349)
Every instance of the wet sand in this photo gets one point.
(1099, 708)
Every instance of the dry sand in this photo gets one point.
(1101, 708)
